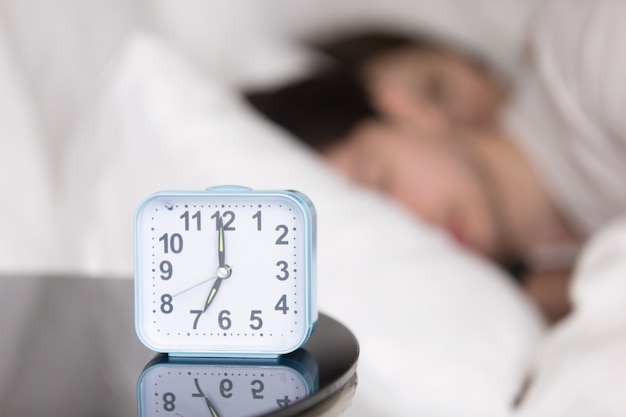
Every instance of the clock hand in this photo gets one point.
(221, 254)
(194, 286)
(223, 270)
(212, 293)
(200, 393)
(211, 408)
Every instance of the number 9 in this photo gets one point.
(166, 269)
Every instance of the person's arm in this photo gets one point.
(549, 291)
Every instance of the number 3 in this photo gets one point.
(283, 268)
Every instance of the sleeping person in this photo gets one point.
(408, 80)
(387, 115)
(452, 177)
(530, 188)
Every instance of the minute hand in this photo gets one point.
(223, 270)
(220, 244)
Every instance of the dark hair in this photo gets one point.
(324, 108)
(353, 51)
(320, 110)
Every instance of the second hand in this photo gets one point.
(194, 286)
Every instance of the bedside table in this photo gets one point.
(69, 348)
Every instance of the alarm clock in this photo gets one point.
(225, 272)
(222, 387)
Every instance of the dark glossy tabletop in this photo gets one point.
(69, 349)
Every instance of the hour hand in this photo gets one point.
(212, 293)
(223, 272)
(206, 399)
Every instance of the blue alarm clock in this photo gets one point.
(225, 272)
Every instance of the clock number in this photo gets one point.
(255, 316)
(257, 216)
(283, 402)
(173, 243)
(224, 320)
(257, 389)
(196, 217)
(198, 394)
(168, 401)
(226, 386)
(166, 304)
(227, 219)
(166, 268)
(283, 268)
(281, 239)
(198, 313)
(281, 305)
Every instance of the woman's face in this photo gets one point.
(439, 182)
(446, 87)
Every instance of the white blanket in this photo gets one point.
(580, 368)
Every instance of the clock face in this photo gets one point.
(224, 273)
(237, 390)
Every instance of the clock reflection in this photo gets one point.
(214, 387)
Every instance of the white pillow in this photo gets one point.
(239, 42)
(62, 48)
(441, 332)
(492, 30)
(223, 36)
(28, 237)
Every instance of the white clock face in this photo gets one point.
(227, 274)
(214, 390)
